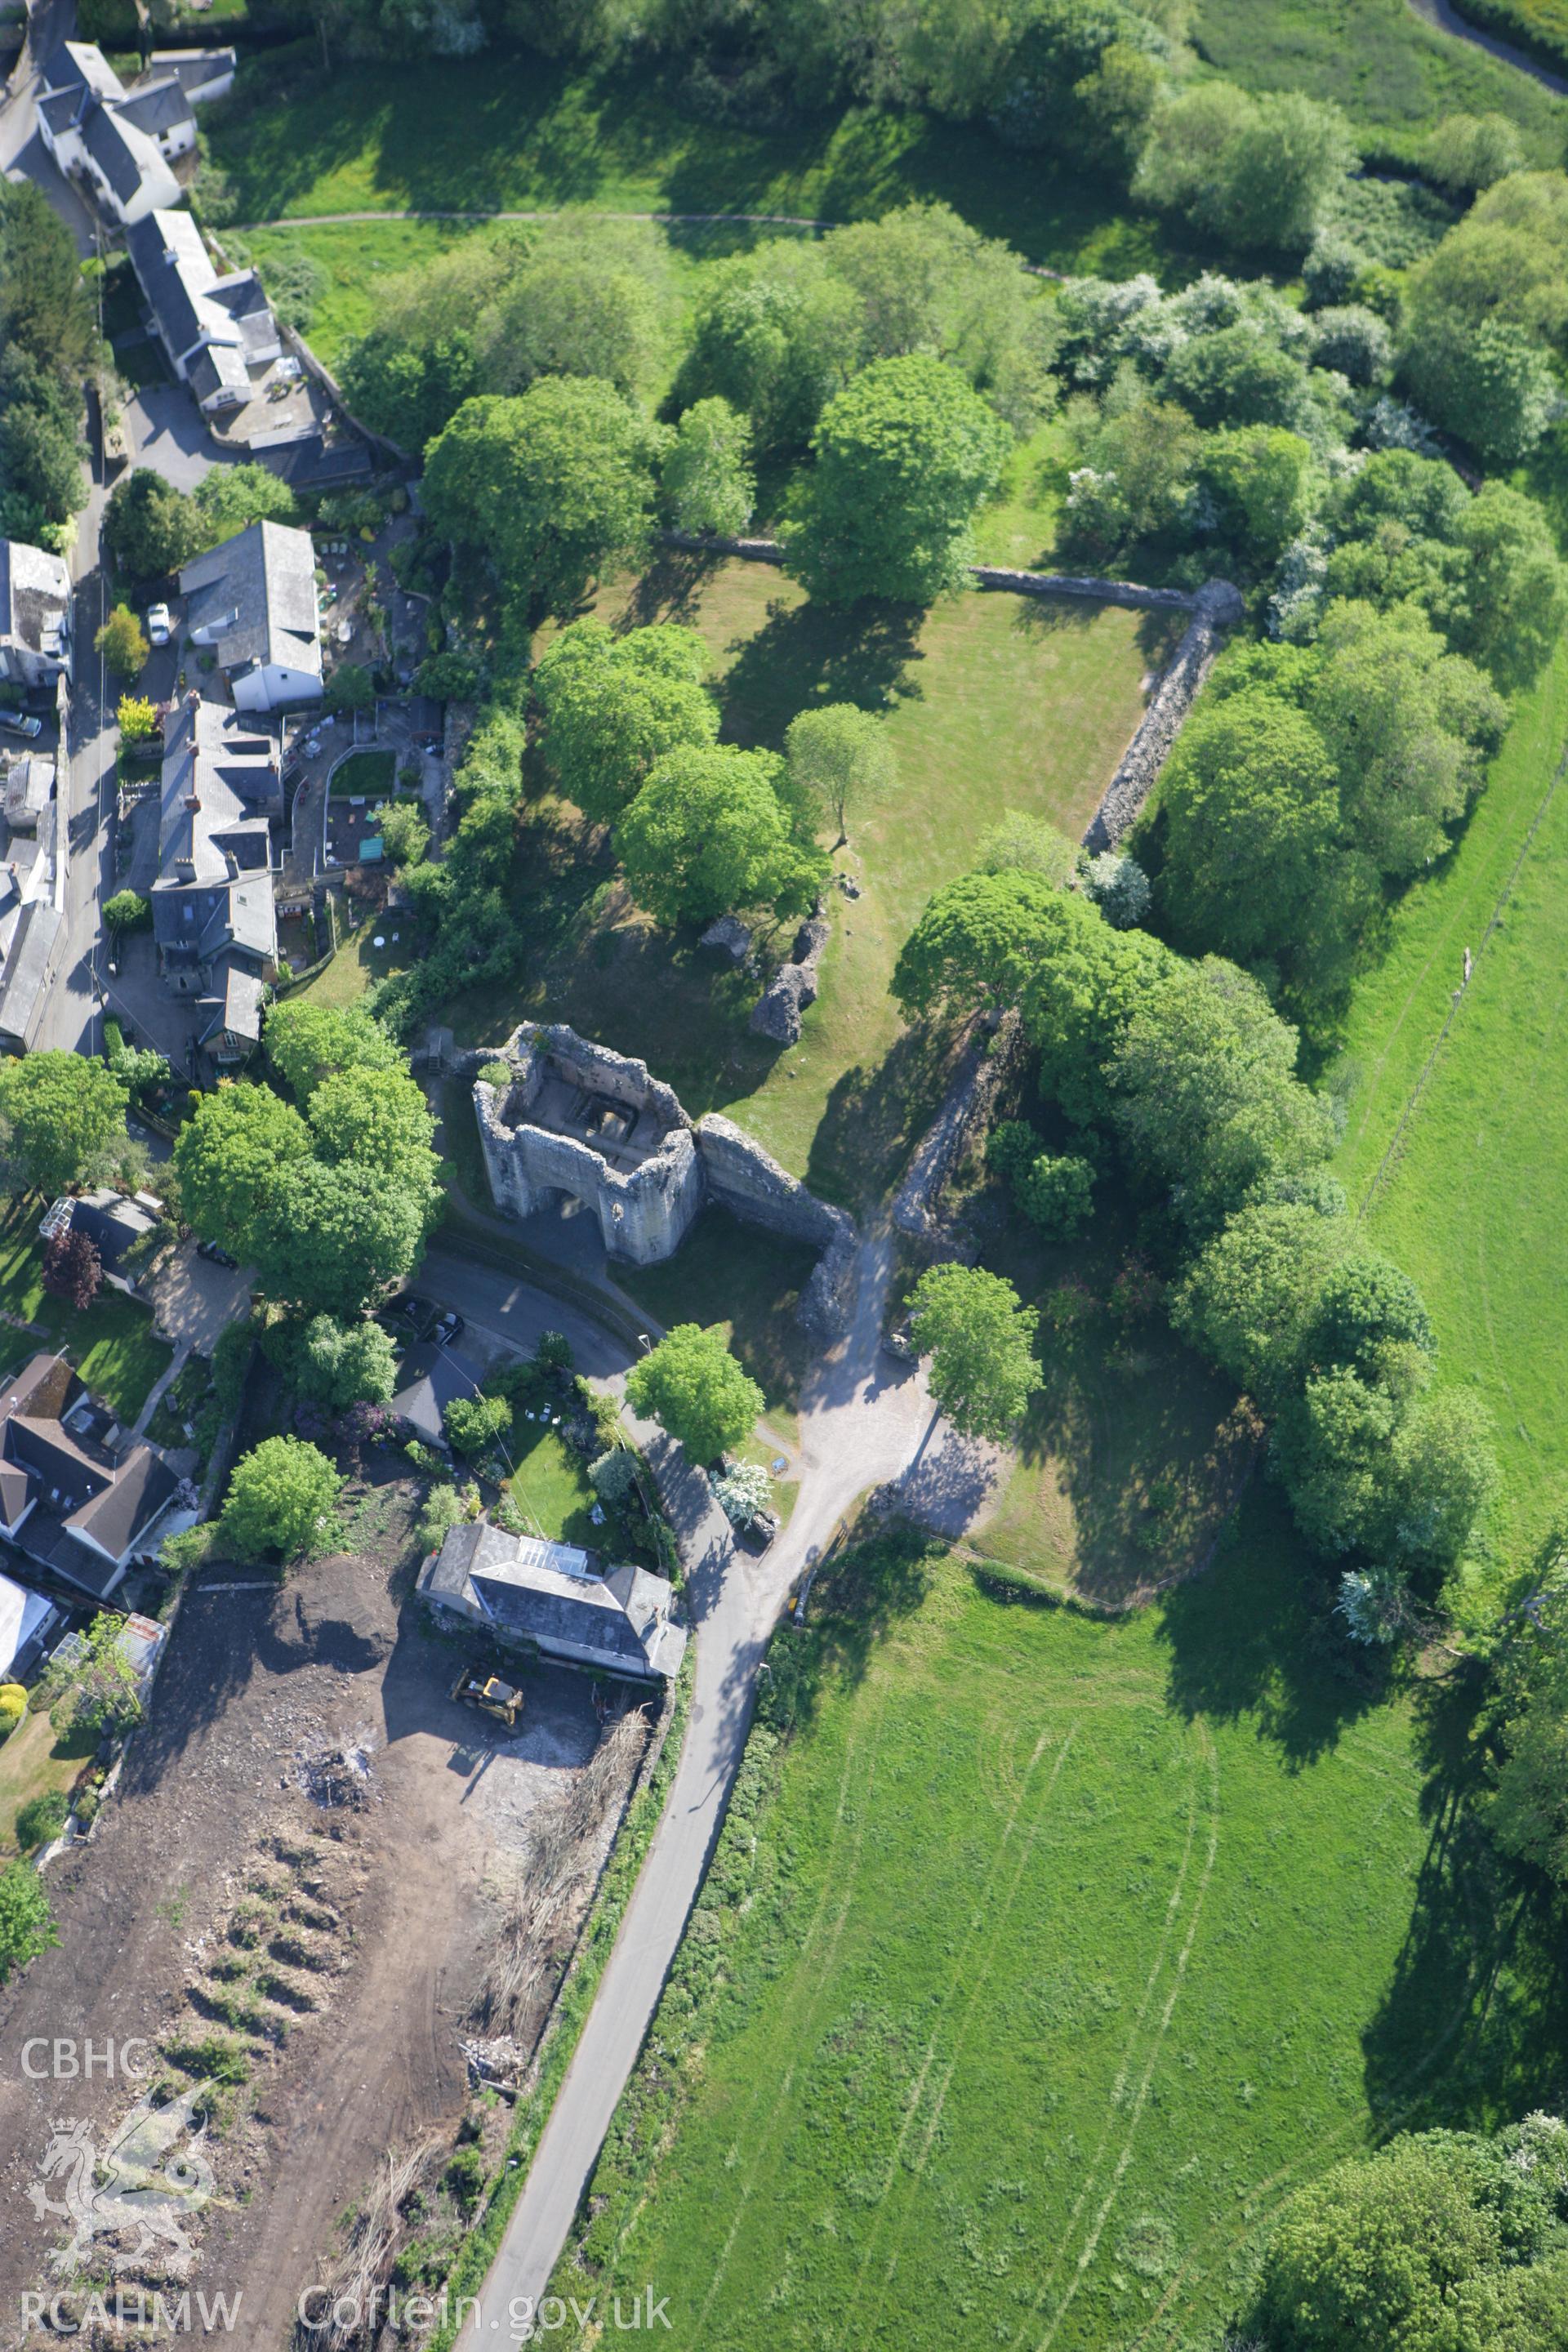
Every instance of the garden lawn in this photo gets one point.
(549, 1481)
(1395, 76)
(113, 1345)
(1474, 1203)
(993, 703)
(33, 1762)
(357, 966)
(1061, 1953)
(365, 775)
(509, 130)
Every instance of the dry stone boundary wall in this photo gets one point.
(1214, 608)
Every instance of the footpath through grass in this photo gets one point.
(993, 703)
(1059, 1954)
(1474, 1203)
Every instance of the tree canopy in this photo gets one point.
(613, 706)
(838, 757)
(307, 1042)
(709, 834)
(903, 458)
(979, 939)
(548, 487)
(281, 1500)
(692, 1384)
(333, 1236)
(981, 1343)
(27, 1923)
(231, 1155)
(1438, 2239)
(61, 1110)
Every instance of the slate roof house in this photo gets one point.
(546, 1596)
(124, 141)
(118, 142)
(218, 327)
(70, 1500)
(254, 600)
(27, 1620)
(113, 1222)
(35, 615)
(215, 922)
(29, 788)
(38, 943)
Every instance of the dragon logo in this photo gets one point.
(140, 2191)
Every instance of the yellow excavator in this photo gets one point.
(490, 1695)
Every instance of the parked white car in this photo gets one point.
(160, 624)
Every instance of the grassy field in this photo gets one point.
(365, 775)
(1394, 74)
(1133, 1452)
(991, 702)
(1058, 1955)
(510, 131)
(33, 1762)
(1472, 1201)
(113, 1345)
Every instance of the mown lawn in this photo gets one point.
(991, 702)
(549, 1483)
(509, 130)
(33, 1762)
(1394, 74)
(113, 1345)
(1473, 1201)
(1059, 1954)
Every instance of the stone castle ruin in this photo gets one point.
(596, 1126)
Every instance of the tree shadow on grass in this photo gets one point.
(860, 1595)
(812, 653)
(1472, 2029)
(875, 1116)
(1254, 1637)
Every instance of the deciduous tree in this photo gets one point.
(839, 758)
(73, 1269)
(548, 488)
(614, 705)
(281, 1499)
(332, 1237)
(122, 643)
(307, 1042)
(709, 834)
(692, 1384)
(903, 458)
(230, 1157)
(27, 1923)
(62, 1109)
(981, 1343)
(707, 481)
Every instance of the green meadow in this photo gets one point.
(1455, 1142)
(1042, 1959)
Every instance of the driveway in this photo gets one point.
(165, 430)
(195, 1301)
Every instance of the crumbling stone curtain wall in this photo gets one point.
(645, 1213)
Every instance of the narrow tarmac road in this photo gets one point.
(863, 1420)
